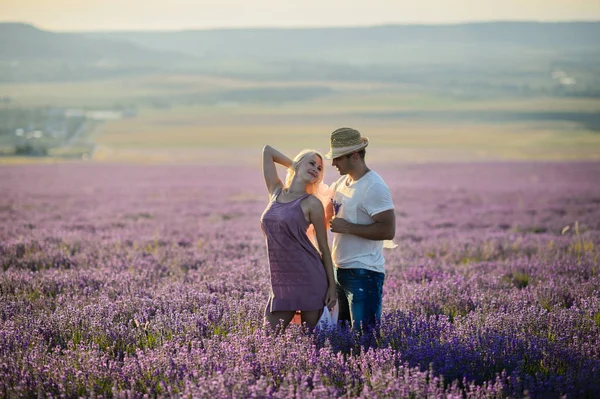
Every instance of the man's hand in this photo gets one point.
(340, 225)
(382, 228)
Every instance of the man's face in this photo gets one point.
(343, 163)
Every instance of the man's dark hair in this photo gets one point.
(360, 153)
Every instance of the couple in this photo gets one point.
(359, 212)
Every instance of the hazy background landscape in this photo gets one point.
(462, 92)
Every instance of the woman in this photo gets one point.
(301, 277)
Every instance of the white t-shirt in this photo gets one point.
(359, 201)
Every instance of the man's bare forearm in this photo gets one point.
(374, 231)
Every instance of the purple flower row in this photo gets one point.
(126, 281)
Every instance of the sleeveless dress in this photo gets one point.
(298, 279)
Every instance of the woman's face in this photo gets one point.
(311, 168)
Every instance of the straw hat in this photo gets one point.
(345, 141)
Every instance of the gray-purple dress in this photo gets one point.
(298, 279)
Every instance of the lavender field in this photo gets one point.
(133, 281)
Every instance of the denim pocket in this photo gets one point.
(358, 272)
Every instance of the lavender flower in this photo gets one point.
(127, 281)
(336, 206)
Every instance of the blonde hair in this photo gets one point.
(291, 172)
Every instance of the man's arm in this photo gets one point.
(382, 228)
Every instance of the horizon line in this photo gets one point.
(300, 27)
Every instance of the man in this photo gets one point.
(362, 217)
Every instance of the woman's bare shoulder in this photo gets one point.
(314, 202)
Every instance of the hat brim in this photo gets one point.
(341, 151)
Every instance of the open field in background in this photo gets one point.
(335, 96)
(404, 142)
(189, 118)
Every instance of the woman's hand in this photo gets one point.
(331, 297)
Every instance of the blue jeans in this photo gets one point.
(359, 296)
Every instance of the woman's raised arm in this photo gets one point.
(271, 156)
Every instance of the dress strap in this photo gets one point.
(301, 198)
(276, 194)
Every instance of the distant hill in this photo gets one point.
(25, 42)
(525, 58)
(484, 58)
(276, 43)
(43, 55)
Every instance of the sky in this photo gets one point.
(93, 15)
